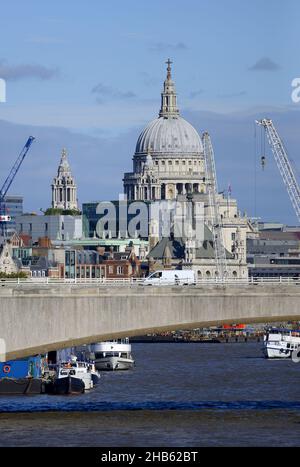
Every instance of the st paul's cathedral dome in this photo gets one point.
(168, 157)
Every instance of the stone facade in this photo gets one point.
(7, 263)
(169, 164)
(197, 251)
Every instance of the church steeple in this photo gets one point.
(169, 107)
(64, 190)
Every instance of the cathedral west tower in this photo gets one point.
(64, 189)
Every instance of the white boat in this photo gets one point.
(81, 354)
(76, 369)
(280, 343)
(113, 355)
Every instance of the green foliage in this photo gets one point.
(13, 275)
(64, 212)
(71, 212)
(53, 212)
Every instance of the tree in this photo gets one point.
(63, 212)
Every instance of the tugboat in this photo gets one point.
(23, 376)
(66, 385)
(72, 377)
(113, 355)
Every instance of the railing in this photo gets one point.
(47, 281)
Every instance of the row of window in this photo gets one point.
(87, 272)
(177, 162)
(93, 272)
(209, 275)
(38, 273)
(119, 270)
(62, 181)
(46, 227)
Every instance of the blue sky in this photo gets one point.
(95, 69)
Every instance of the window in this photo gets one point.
(120, 270)
(233, 236)
(46, 226)
(157, 275)
(110, 270)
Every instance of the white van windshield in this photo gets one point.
(155, 275)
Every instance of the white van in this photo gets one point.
(171, 277)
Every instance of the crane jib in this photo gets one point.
(283, 163)
(13, 172)
(29, 141)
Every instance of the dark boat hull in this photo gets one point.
(95, 379)
(13, 386)
(68, 385)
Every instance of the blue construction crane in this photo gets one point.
(6, 185)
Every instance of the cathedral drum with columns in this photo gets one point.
(169, 164)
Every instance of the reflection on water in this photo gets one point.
(178, 394)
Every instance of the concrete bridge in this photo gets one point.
(39, 318)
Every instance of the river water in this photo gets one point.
(184, 395)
